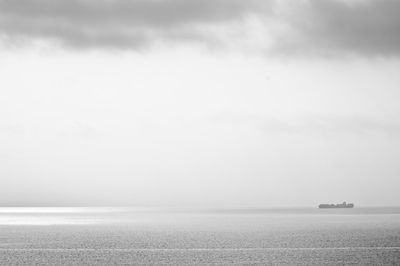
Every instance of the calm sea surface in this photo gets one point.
(128, 236)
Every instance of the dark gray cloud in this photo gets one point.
(119, 23)
(322, 27)
(331, 27)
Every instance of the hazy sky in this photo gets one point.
(222, 103)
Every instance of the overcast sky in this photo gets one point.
(222, 103)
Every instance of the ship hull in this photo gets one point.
(336, 206)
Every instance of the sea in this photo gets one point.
(173, 236)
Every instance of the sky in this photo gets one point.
(211, 103)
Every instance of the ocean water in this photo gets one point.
(140, 236)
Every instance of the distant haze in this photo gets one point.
(221, 103)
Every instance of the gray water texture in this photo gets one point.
(128, 236)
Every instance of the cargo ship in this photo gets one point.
(340, 205)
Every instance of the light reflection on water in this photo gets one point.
(51, 215)
(51, 209)
(81, 215)
(44, 220)
(68, 215)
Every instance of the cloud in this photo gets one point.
(336, 124)
(303, 27)
(119, 23)
(331, 27)
(312, 124)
